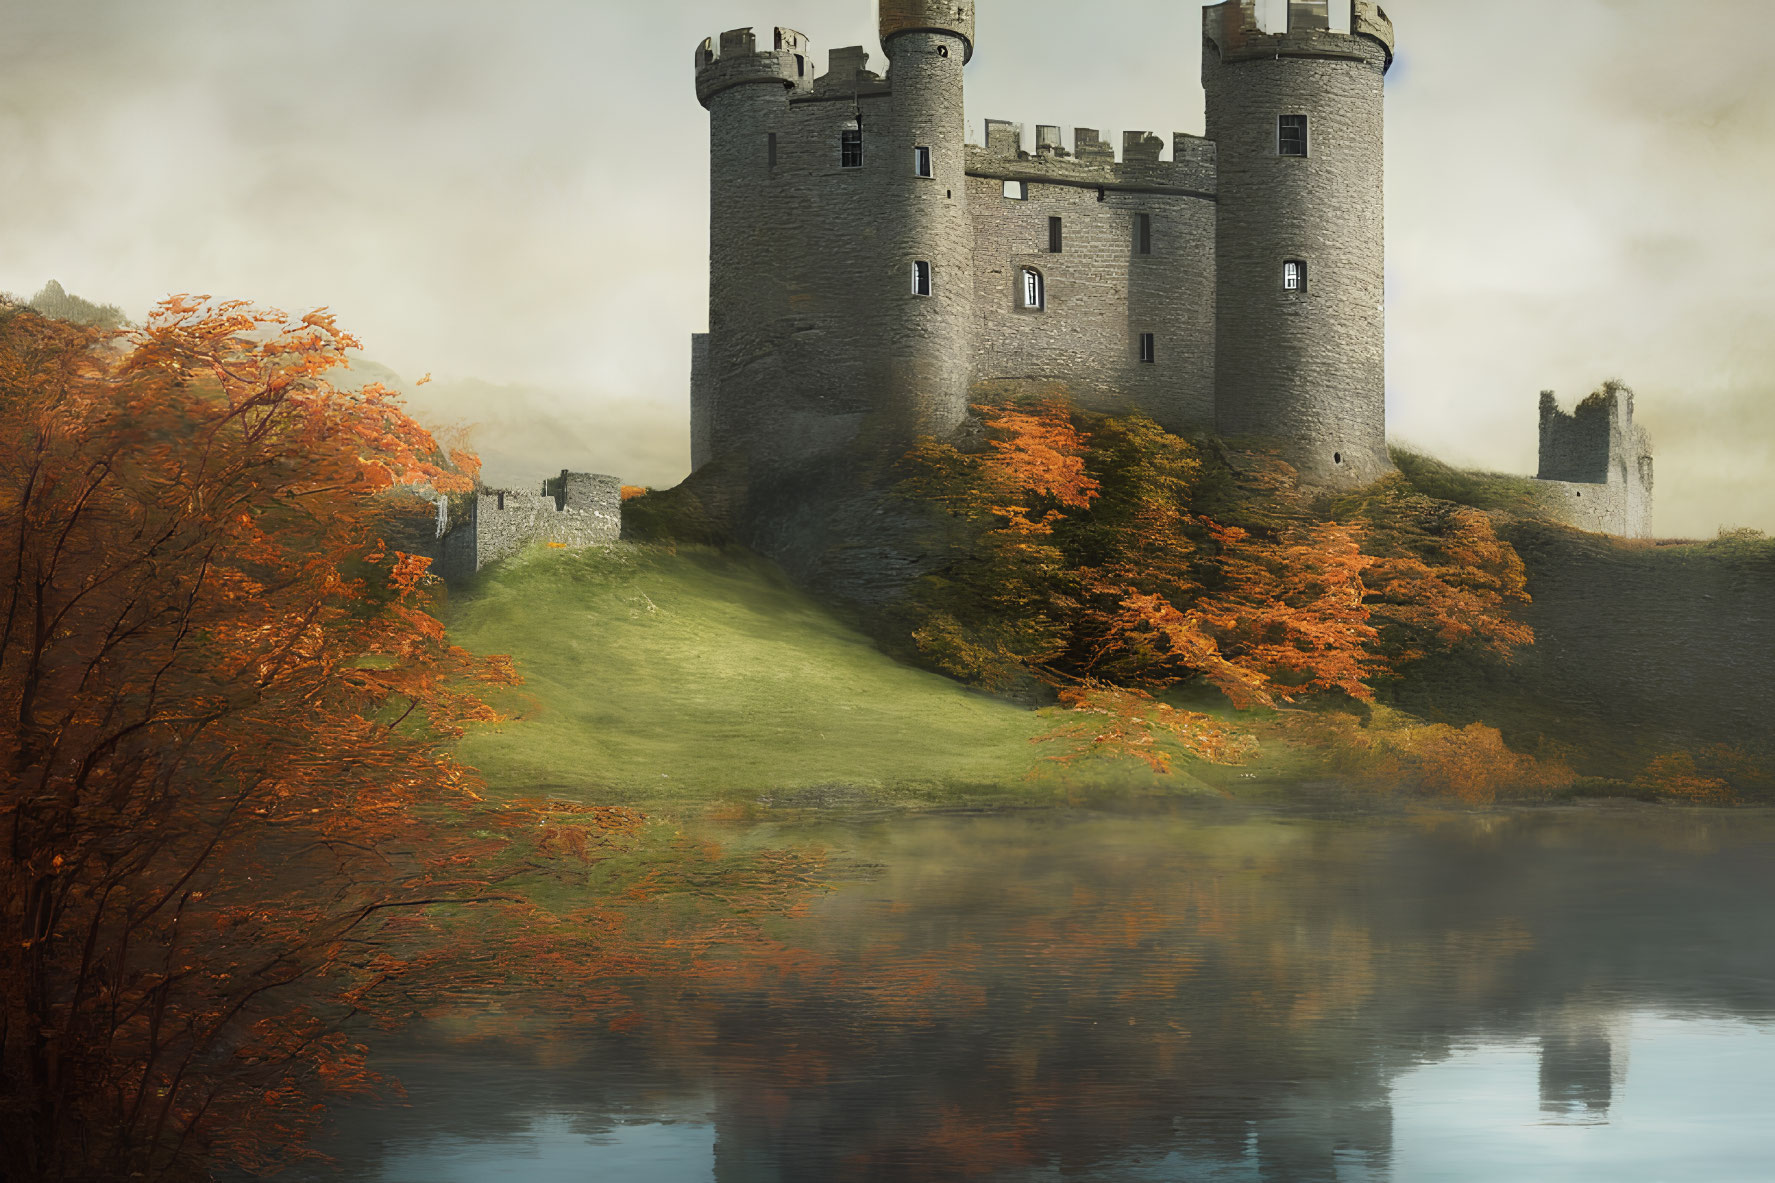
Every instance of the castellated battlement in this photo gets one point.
(929, 16)
(1596, 463)
(1243, 30)
(738, 61)
(1092, 161)
(572, 511)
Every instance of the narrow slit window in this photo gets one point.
(1143, 234)
(1291, 135)
(850, 148)
(1149, 348)
(1294, 276)
(770, 149)
(1055, 240)
(1017, 190)
(1034, 290)
(921, 162)
(800, 66)
(921, 278)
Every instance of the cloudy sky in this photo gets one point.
(512, 196)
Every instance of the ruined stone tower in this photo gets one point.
(1300, 344)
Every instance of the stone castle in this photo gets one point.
(869, 268)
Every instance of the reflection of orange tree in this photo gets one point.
(1088, 991)
(1117, 563)
(228, 816)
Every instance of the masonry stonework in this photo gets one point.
(575, 510)
(867, 266)
(1596, 463)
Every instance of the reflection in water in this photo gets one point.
(1074, 997)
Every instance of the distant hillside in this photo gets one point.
(58, 304)
(524, 433)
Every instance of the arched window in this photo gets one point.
(921, 278)
(1034, 290)
(1294, 276)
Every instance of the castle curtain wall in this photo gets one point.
(1101, 292)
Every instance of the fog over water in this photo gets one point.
(513, 197)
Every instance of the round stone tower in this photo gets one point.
(746, 89)
(925, 337)
(1296, 115)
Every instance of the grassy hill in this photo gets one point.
(695, 674)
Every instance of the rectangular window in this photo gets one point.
(1294, 276)
(1149, 351)
(800, 66)
(1055, 242)
(771, 149)
(1291, 135)
(921, 278)
(1017, 190)
(850, 148)
(1143, 234)
(921, 162)
(1033, 294)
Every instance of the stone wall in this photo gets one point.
(1598, 463)
(1101, 291)
(574, 510)
(1674, 641)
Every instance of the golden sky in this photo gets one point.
(512, 195)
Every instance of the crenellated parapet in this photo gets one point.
(738, 61)
(1233, 31)
(929, 16)
(1092, 161)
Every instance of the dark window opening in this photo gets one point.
(1054, 239)
(800, 66)
(1034, 290)
(1100, 193)
(502, 501)
(1143, 234)
(850, 148)
(771, 149)
(1337, 457)
(1294, 276)
(942, 51)
(1149, 351)
(1291, 135)
(921, 162)
(921, 278)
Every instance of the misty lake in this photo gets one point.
(1583, 994)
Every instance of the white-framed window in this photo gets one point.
(921, 162)
(1149, 348)
(1291, 135)
(1294, 276)
(1017, 190)
(1035, 289)
(921, 278)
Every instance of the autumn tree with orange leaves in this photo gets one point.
(226, 707)
(1114, 561)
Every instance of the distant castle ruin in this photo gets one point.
(869, 269)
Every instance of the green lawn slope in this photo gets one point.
(652, 674)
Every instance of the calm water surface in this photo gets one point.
(1584, 995)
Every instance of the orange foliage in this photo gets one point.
(1470, 763)
(1109, 559)
(1121, 723)
(229, 819)
(630, 492)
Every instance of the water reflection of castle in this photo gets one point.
(1583, 1064)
